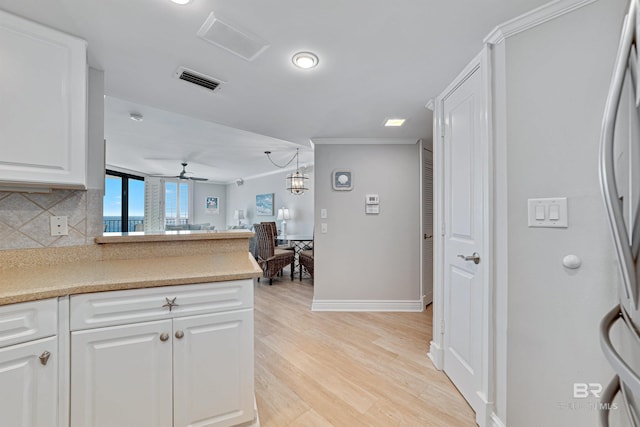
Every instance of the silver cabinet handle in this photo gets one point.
(475, 257)
(179, 334)
(44, 357)
(164, 336)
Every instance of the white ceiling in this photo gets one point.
(378, 58)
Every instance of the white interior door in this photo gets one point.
(463, 236)
(427, 226)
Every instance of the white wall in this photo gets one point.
(548, 116)
(300, 206)
(364, 259)
(202, 190)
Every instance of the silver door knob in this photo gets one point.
(427, 236)
(179, 334)
(475, 257)
(164, 336)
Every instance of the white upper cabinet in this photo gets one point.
(43, 106)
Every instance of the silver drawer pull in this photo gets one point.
(164, 336)
(44, 357)
(475, 257)
(179, 334)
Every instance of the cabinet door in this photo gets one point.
(43, 85)
(121, 376)
(213, 369)
(29, 387)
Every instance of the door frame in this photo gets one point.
(481, 63)
(422, 146)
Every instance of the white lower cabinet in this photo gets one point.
(213, 369)
(29, 384)
(121, 376)
(29, 364)
(185, 370)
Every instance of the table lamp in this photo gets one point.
(239, 215)
(284, 215)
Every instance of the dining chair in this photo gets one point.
(274, 230)
(269, 258)
(305, 258)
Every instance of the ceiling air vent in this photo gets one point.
(232, 38)
(196, 78)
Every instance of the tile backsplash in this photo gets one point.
(25, 224)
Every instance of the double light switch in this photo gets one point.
(551, 212)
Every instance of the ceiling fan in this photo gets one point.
(183, 175)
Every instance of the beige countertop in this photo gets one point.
(46, 281)
(172, 236)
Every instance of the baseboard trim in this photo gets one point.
(436, 355)
(366, 305)
(496, 421)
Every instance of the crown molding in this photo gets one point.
(304, 168)
(533, 18)
(431, 105)
(362, 141)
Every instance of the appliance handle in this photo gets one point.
(607, 160)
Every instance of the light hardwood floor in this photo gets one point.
(346, 369)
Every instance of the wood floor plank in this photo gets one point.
(346, 369)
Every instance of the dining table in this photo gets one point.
(299, 243)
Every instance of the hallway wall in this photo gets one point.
(368, 261)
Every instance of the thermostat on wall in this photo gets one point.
(372, 204)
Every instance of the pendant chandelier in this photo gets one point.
(296, 182)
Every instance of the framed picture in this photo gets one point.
(264, 204)
(342, 179)
(212, 205)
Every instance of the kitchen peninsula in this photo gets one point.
(138, 329)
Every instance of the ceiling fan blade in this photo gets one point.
(183, 175)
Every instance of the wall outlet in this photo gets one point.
(59, 226)
(323, 227)
(323, 213)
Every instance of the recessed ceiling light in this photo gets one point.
(136, 117)
(181, 1)
(305, 60)
(394, 122)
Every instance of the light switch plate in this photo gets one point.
(323, 213)
(555, 205)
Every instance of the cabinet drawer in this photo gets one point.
(28, 321)
(139, 305)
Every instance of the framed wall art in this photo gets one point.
(264, 204)
(212, 205)
(342, 179)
